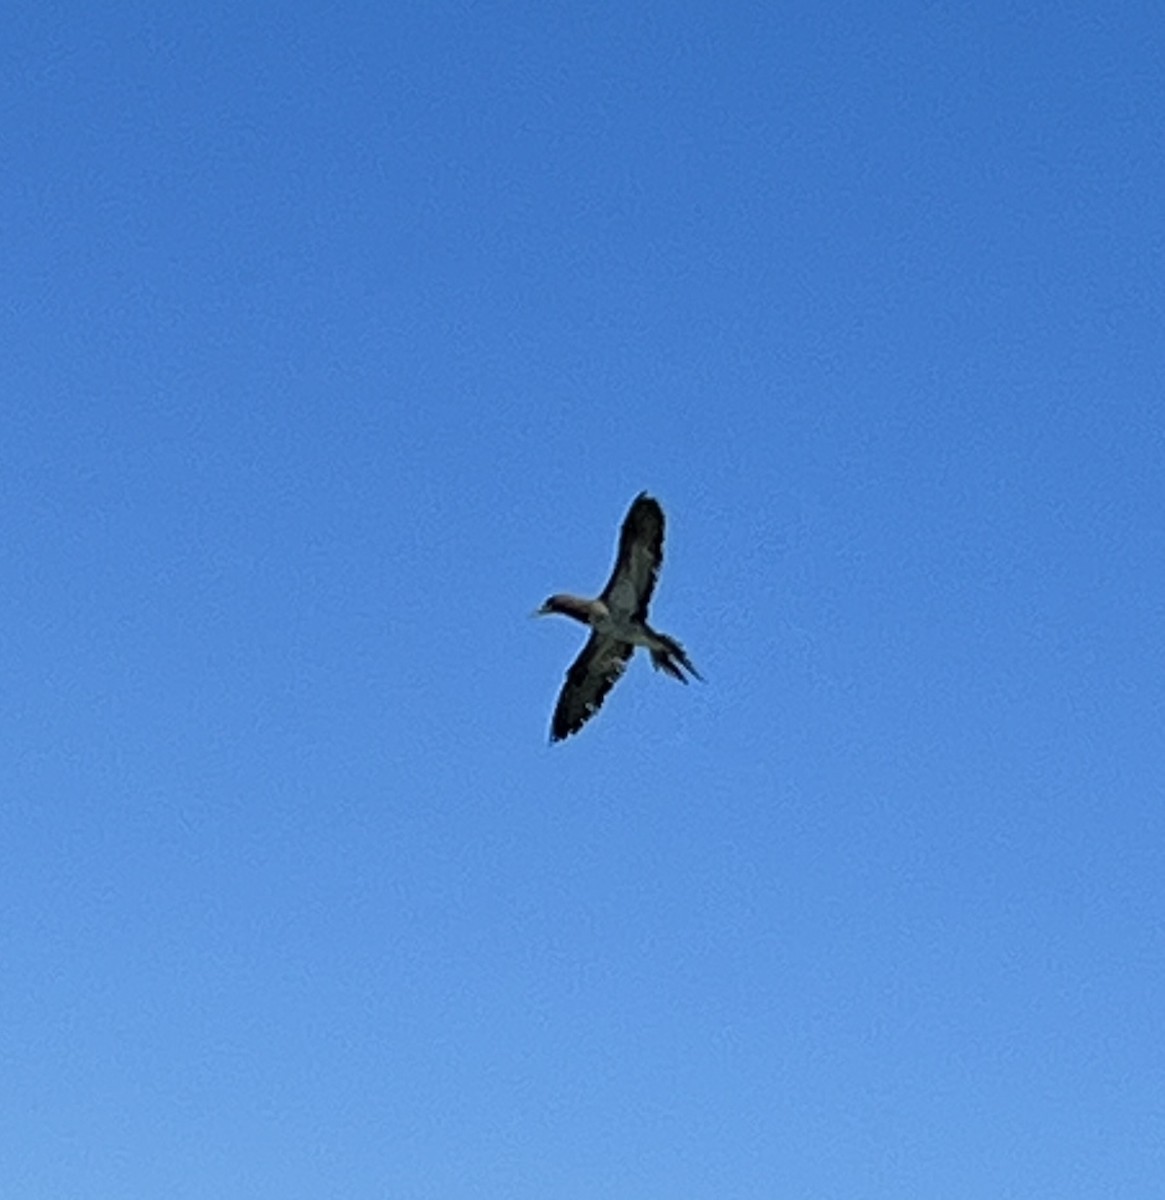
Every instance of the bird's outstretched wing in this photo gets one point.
(590, 677)
(637, 563)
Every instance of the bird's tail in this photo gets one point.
(669, 656)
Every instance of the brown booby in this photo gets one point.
(618, 622)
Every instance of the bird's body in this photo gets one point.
(617, 618)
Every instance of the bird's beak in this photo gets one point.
(539, 612)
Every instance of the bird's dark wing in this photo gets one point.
(637, 562)
(591, 676)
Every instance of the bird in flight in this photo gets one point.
(618, 622)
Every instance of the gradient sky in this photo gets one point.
(334, 339)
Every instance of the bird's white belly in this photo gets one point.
(622, 600)
(621, 626)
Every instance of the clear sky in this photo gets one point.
(334, 339)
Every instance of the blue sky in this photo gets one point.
(335, 339)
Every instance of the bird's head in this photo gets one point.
(563, 605)
(574, 607)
